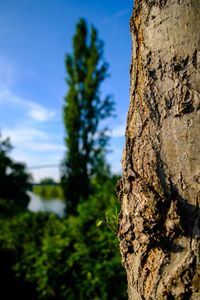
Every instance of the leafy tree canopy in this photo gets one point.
(14, 180)
(47, 180)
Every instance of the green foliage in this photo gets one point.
(111, 220)
(48, 189)
(48, 192)
(67, 258)
(47, 180)
(14, 180)
(84, 110)
(20, 242)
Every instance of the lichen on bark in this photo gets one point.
(159, 229)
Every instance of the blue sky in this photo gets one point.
(35, 37)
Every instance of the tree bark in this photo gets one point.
(159, 228)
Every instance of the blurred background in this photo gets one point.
(35, 37)
(64, 96)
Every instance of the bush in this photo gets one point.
(67, 258)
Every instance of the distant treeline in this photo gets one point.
(48, 191)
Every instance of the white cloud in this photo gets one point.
(32, 140)
(48, 172)
(32, 144)
(39, 113)
(116, 16)
(46, 147)
(21, 135)
(121, 13)
(118, 131)
(32, 109)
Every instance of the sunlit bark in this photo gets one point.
(159, 190)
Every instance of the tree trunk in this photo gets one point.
(159, 190)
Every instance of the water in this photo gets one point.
(38, 204)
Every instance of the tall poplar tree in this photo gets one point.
(84, 108)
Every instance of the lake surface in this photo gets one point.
(53, 205)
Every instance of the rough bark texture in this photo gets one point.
(159, 229)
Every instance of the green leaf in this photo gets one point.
(99, 223)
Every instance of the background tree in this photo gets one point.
(159, 190)
(14, 180)
(83, 110)
(47, 180)
(48, 189)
